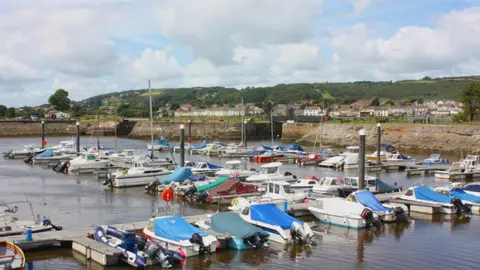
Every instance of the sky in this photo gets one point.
(91, 47)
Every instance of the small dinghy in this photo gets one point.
(11, 256)
(176, 234)
(281, 227)
(445, 204)
(244, 235)
(137, 252)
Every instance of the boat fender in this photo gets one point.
(234, 201)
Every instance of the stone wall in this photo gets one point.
(34, 128)
(417, 137)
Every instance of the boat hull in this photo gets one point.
(11, 256)
(135, 181)
(337, 220)
(187, 249)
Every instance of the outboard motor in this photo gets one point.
(289, 173)
(159, 255)
(253, 170)
(28, 159)
(301, 233)
(190, 191)
(460, 206)
(400, 215)
(61, 167)
(152, 186)
(256, 240)
(197, 239)
(202, 197)
(370, 218)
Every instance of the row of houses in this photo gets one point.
(219, 111)
(363, 108)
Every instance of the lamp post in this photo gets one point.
(379, 143)
(361, 160)
(182, 145)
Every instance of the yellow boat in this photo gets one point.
(11, 256)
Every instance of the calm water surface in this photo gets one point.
(81, 201)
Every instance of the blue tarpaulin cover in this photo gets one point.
(46, 153)
(198, 146)
(369, 200)
(196, 177)
(179, 175)
(426, 194)
(233, 224)
(267, 148)
(213, 166)
(382, 187)
(462, 195)
(175, 228)
(271, 214)
(295, 146)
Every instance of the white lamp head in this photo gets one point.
(362, 132)
(182, 126)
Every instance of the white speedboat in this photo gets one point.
(429, 198)
(308, 182)
(279, 193)
(50, 156)
(282, 228)
(87, 161)
(338, 161)
(387, 213)
(212, 149)
(337, 211)
(435, 159)
(397, 157)
(270, 172)
(233, 170)
(27, 151)
(139, 175)
(176, 234)
(385, 149)
(206, 168)
(126, 155)
(327, 186)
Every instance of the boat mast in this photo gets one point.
(151, 118)
(115, 127)
(98, 133)
(242, 113)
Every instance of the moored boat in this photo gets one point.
(244, 235)
(139, 175)
(307, 182)
(373, 184)
(11, 256)
(386, 213)
(327, 186)
(176, 234)
(269, 156)
(233, 170)
(270, 172)
(428, 197)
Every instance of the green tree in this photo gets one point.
(375, 102)
(59, 100)
(420, 101)
(470, 97)
(11, 112)
(3, 110)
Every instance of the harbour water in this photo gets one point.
(428, 242)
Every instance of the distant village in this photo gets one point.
(360, 108)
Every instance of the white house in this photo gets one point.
(312, 111)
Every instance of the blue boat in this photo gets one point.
(159, 145)
(444, 204)
(135, 250)
(386, 214)
(244, 235)
(281, 227)
(178, 175)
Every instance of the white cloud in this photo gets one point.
(360, 6)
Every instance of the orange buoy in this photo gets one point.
(167, 195)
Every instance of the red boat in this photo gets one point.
(229, 188)
(267, 157)
(312, 159)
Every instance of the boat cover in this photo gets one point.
(46, 153)
(196, 177)
(282, 148)
(162, 142)
(369, 200)
(179, 175)
(222, 223)
(175, 228)
(462, 195)
(213, 166)
(474, 187)
(212, 185)
(426, 194)
(267, 147)
(271, 214)
(198, 146)
(382, 187)
(295, 146)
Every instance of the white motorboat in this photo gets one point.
(308, 182)
(279, 193)
(338, 161)
(385, 150)
(282, 228)
(233, 170)
(139, 175)
(50, 156)
(371, 183)
(270, 172)
(10, 225)
(176, 234)
(387, 213)
(28, 150)
(435, 159)
(126, 155)
(458, 169)
(429, 198)
(397, 157)
(67, 145)
(455, 191)
(87, 161)
(206, 168)
(339, 212)
(212, 149)
(327, 186)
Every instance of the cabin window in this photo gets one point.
(246, 211)
(235, 166)
(371, 183)
(270, 188)
(150, 226)
(288, 189)
(475, 188)
(312, 183)
(409, 192)
(354, 182)
(204, 166)
(277, 189)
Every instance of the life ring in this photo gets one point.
(234, 201)
(167, 195)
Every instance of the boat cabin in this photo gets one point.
(471, 161)
(190, 164)
(330, 181)
(233, 165)
(270, 168)
(397, 157)
(352, 150)
(370, 182)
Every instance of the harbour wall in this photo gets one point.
(413, 137)
(206, 130)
